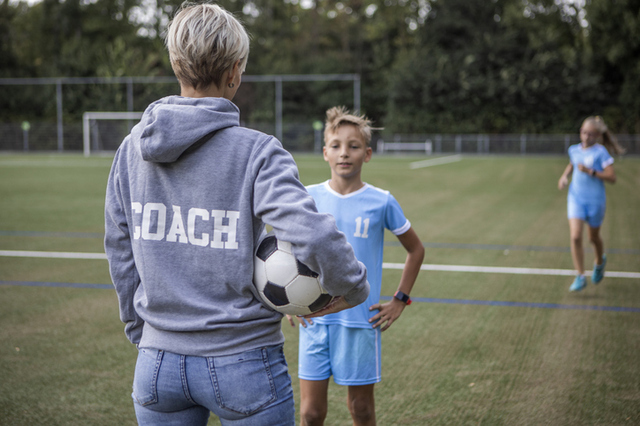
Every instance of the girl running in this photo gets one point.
(591, 164)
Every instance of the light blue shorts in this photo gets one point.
(351, 355)
(592, 213)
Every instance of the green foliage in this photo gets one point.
(484, 66)
(455, 66)
(615, 42)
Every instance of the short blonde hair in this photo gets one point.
(204, 41)
(337, 116)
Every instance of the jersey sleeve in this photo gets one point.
(605, 159)
(395, 221)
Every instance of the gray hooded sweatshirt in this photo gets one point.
(187, 200)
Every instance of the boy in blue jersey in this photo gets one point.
(590, 166)
(347, 344)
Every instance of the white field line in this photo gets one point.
(52, 254)
(57, 164)
(435, 161)
(502, 270)
(425, 267)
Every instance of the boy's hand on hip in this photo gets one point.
(300, 319)
(389, 312)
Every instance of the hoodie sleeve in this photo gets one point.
(280, 200)
(120, 254)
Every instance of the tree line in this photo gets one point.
(426, 66)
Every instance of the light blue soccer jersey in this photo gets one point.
(362, 216)
(584, 188)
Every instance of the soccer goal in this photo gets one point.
(104, 131)
(426, 147)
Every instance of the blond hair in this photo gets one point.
(609, 140)
(337, 116)
(205, 41)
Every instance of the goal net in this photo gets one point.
(104, 131)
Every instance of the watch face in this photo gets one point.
(401, 297)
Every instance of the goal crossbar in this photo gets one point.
(383, 146)
(101, 115)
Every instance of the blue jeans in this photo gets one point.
(250, 388)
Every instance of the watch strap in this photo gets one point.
(404, 298)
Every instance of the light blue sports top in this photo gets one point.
(585, 188)
(363, 216)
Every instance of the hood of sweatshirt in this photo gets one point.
(173, 124)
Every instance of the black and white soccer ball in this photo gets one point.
(284, 283)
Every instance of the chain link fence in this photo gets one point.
(291, 117)
(45, 114)
(497, 143)
(301, 137)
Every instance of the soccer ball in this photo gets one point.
(284, 283)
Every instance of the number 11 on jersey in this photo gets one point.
(361, 233)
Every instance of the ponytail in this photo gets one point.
(609, 140)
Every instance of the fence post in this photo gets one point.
(59, 109)
(438, 144)
(356, 93)
(279, 109)
(523, 144)
(317, 135)
(85, 135)
(25, 135)
(94, 135)
(130, 94)
(428, 147)
(129, 100)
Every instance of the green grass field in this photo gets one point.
(64, 359)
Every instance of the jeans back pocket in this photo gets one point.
(243, 383)
(145, 379)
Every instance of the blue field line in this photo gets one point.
(52, 234)
(415, 299)
(519, 304)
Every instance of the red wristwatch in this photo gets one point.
(404, 298)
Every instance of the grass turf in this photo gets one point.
(64, 359)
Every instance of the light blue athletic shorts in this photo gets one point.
(351, 355)
(592, 213)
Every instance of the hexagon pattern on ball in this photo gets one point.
(284, 283)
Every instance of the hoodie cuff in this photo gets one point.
(358, 295)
